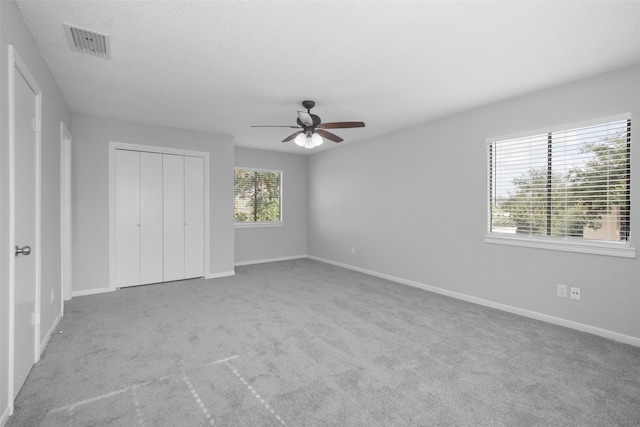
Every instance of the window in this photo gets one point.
(257, 196)
(570, 187)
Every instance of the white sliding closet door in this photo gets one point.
(159, 217)
(151, 223)
(127, 216)
(173, 213)
(194, 217)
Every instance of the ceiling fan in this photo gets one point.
(313, 130)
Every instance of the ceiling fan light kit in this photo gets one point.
(313, 130)
(310, 140)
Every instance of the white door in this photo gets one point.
(26, 122)
(127, 215)
(173, 213)
(158, 210)
(151, 266)
(194, 217)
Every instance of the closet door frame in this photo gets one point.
(113, 146)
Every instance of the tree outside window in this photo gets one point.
(564, 184)
(257, 196)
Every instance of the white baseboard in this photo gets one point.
(626, 339)
(45, 341)
(221, 274)
(262, 261)
(90, 292)
(5, 415)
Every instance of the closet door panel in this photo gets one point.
(173, 210)
(194, 217)
(127, 212)
(151, 228)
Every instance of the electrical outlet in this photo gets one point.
(575, 294)
(562, 290)
(353, 250)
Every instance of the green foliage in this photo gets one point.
(608, 167)
(529, 205)
(241, 216)
(578, 198)
(257, 196)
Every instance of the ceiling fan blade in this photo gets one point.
(293, 135)
(275, 126)
(329, 135)
(342, 125)
(305, 118)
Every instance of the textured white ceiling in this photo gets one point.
(221, 66)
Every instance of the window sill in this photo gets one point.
(258, 224)
(587, 247)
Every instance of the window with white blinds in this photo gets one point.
(257, 197)
(570, 185)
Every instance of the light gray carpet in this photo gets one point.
(302, 343)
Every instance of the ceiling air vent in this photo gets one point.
(88, 42)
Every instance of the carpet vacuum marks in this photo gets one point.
(222, 385)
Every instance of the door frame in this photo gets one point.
(113, 146)
(65, 216)
(16, 65)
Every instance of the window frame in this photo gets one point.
(568, 244)
(260, 224)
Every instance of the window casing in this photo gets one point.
(567, 188)
(257, 197)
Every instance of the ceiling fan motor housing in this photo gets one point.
(316, 122)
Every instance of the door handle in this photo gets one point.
(26, 250)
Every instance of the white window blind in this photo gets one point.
(257, 196)
(569, 184)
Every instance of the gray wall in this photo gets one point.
(290, 240)
(413, 203)
(90, 192)
(54, 110)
